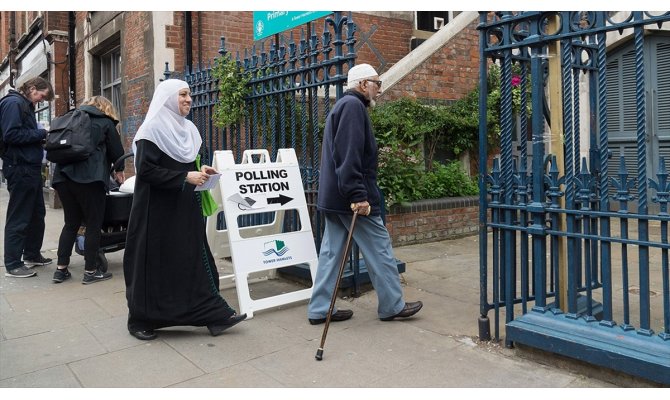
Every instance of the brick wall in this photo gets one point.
(137, 68)
(433, 220)
(4, 34)
(60, 77)
(56, 20)
(447, 75)
(80, 19)
(235, 26)
(381, 41)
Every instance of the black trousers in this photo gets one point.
(83, 204)
(24, 224)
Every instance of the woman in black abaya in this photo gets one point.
(171, 278)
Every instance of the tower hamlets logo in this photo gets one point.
(276, 247)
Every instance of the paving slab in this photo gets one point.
(153, 364)
(237, 376)
(59, 376)
(48, 316)
(40, 351)
(246, 341)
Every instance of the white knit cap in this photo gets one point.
(360, 71)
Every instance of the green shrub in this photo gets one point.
(233, 88)
(448, 180)
(400, 171)
(409, 133)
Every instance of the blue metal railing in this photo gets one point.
(594, 287)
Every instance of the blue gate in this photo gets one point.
(573, 236)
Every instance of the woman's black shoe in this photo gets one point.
(219, 327)
(145, 335)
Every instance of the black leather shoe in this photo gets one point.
(219, 327)
(407, 311)
(339, 315)
(145, 335)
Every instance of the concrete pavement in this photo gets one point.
(71, 335)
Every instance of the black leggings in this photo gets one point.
(83, 204)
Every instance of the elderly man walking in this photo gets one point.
(347, 183)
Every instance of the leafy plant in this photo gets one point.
(405, 120)
(448, 180)
(408, 134)
(494, 96)
(233, 89)
(400, 169)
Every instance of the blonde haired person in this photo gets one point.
(82, 187)
(104, 105)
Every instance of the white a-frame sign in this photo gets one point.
(258, 186)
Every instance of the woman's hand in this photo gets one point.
(196, 178)
(208, 170)
(120, 177)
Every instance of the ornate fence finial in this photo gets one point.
(584, 182)
(222, 47)
(554, 182)
(167, 72)
(494, 179)
(662, 187)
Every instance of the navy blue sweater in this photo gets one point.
(23, 140)
(349, 158)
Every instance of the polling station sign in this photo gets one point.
(267, 23)
(259, 187)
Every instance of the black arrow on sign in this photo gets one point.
(281, 199)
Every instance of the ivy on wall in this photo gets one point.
(233, 89)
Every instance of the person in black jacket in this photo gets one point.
(22, 167)
(82, 187)
(347, 183)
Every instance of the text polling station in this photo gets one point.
(258, 197)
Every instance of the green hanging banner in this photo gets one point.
(267, 23)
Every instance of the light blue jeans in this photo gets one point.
(373, 239)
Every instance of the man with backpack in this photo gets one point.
(22, 167)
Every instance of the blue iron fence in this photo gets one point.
(579, 259)
(293, 85)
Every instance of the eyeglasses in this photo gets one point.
(379, 83)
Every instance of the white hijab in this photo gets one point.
(166, 128)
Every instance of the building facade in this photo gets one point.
(123, 54)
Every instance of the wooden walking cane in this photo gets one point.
(319, 352)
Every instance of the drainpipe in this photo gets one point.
(72, 60)
(13, 70)
(188, 39)
(199, 38)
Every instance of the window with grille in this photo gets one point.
(110, 76)
(43, 114)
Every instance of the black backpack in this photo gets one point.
(69, 138)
